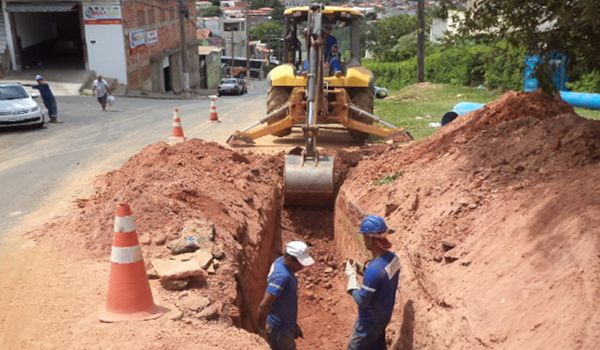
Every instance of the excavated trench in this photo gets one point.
(326, 312)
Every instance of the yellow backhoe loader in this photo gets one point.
(304, 93)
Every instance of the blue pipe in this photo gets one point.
(462, 108)
(581, 99)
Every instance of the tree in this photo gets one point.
(269, 32)
(569, 26)
(216, 2)
(385, 35)
(211, 11)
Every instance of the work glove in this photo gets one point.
(352, 276)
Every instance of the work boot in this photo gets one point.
(53, 120)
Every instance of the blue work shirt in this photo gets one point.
(283, 284)
(330, 40)
(377, 295)
(44, 89)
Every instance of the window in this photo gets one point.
(12, 93)
(163, 15)
(151, 18)
(141, 18)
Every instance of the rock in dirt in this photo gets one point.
(174, 284)
(184, 245)
(195, 303)
(172, 269)
(159, 239)
(203, 257)
(145, 239)
(152, 274)
(174, 314)
(202, 229)
(211, 312)
(448, 245)
(218, 252)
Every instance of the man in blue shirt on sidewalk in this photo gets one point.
(377, 295)
(279, 306)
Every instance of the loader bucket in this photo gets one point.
(308, 182)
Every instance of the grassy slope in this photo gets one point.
(415, 106)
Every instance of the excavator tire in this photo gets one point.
(363, 98)
(276, 97)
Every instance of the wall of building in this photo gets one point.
(213, 70)
(106, 51)
(161, 16)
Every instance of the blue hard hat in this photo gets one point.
(373, 224)
(39, 77)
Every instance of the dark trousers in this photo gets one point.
(367, 337)
(50, 103)
(281, 339)
(102, 100)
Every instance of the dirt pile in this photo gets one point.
(496, 228)
(170, 190)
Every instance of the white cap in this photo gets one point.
(299, 250)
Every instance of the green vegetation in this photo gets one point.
(269, 32)
(588, 83)
(384, 35)
(389, 178)
(539, 26)
(211, 11)
(415, 106)
(497, 67)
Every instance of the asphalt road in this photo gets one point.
(46, 168)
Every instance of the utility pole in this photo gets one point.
(232, 56)
(421, 41)
(247, 45)
(183, 14)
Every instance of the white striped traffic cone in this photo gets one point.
(213, 117)
(177, 128)
(129, 296)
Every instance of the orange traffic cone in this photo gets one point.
(177, 128)
(129, 296)
(214, 117)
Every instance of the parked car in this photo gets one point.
(17, 107)
(231, 86)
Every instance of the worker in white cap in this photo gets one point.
(279, 306)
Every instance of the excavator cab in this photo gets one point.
(306, 92)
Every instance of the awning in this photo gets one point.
(41, 6)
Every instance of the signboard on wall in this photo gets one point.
(137, 37)
(102, 14)
(152, 37)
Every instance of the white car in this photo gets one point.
(17, 107)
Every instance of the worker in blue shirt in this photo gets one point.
(377, 295)
(47, 97)
(332, 51)
(279, 306)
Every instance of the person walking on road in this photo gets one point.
(279, 306)
(377, 295)
(101, 91)
(47, 97)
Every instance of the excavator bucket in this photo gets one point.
(308, 181)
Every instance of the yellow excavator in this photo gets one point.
(304, 93)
